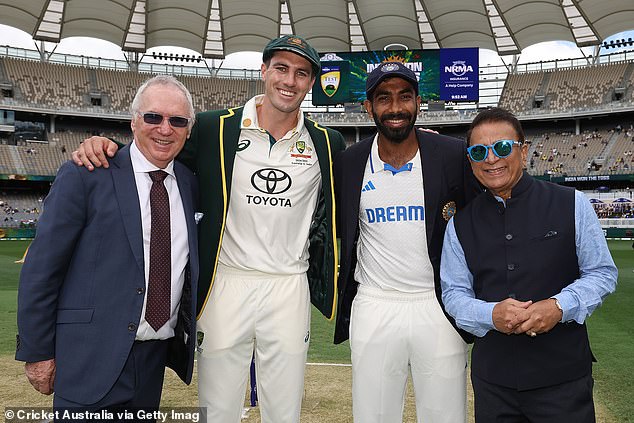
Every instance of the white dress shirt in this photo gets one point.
(180, 246)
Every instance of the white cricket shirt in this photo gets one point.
(274, 193)
(392, 248)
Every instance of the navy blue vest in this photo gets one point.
(525, 251)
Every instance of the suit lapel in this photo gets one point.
(128, 199)
(190, 287)
(185, 190)
(432, 174)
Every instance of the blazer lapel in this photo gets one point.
(190, 287)
(321, 149)
(229, 137)
(128, 199)
(432, 175)
(353, 181)
(185, 190)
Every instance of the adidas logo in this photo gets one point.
(368, 187)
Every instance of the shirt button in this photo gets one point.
(131, 327)
(509, 237)
(510, 267)
(140, 291)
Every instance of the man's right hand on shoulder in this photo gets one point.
(92, 152)
(41, 374)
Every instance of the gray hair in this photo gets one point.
(163, 80)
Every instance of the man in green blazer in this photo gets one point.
(267, 236)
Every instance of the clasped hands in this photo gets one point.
(526, 317)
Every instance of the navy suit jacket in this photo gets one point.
(82, 284)
(447, 178)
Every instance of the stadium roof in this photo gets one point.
(216, 28)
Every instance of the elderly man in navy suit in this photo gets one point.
(106, 298)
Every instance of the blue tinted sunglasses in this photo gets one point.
(157, 119)
(501, 148)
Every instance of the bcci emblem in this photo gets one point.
(300, 146)
(330, 79)
(449, 210)
(389, 67)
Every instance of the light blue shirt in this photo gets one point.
(598, 276)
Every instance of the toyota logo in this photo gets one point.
(271, 181)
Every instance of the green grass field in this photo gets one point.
(611, 331)
(611, 337)
(10, 251)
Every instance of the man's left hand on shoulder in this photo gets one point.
(542, 317)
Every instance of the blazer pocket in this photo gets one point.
(74, 315)
(546, 236)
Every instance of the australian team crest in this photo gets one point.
(449, 210)
(301, 153)
(330, 79)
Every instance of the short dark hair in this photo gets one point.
(496, 114)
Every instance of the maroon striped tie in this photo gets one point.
(157, 310)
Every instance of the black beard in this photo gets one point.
(394, 135)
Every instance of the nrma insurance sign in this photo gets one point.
(459, 74)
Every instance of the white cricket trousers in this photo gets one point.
(247, 309)
(393, 332)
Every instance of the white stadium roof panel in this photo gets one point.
(324, 23)
(24, 15)
(104, 19)
(466, 25)
(609, 17)
(169, 23)
(462, 23)
(536, 21)
(248, 25)
(216, 28)
(385, 23)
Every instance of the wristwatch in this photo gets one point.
(559, 307)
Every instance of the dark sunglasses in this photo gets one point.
(156, 119)
(501, 148)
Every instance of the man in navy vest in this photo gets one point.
(523, 265)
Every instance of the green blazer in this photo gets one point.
(210, 153)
